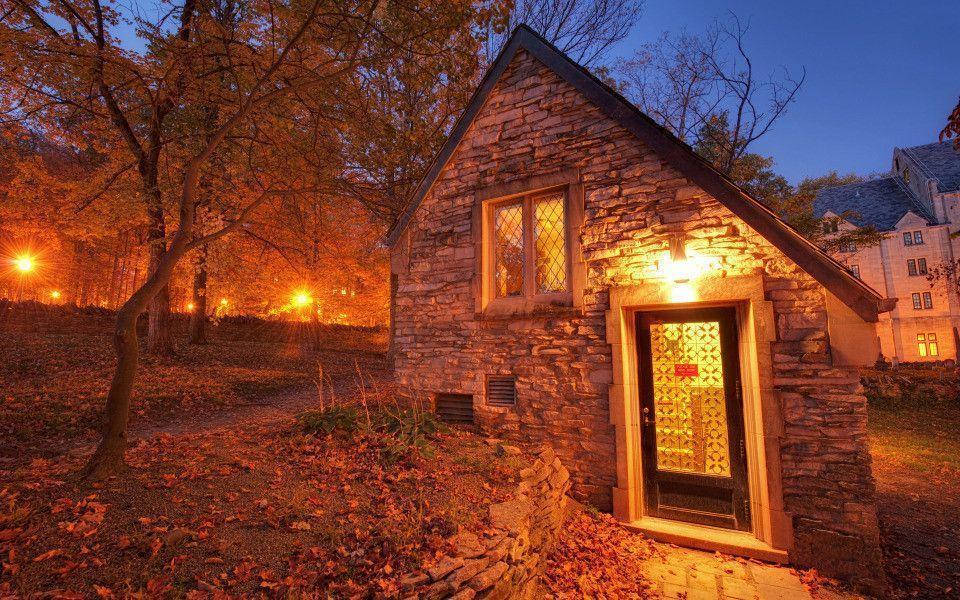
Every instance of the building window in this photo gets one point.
(911, 267)
(529, 257)
(907, 239)
(922, 301)
(906, 174)
(550, 244)
(917, 238)
(927, 345)
(848, 246)
(831, 226)
(922, 266)
(916, 266)
(855, 269)
(508, 250)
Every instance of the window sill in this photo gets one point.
(547, 306)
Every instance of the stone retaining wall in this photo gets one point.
(508, 559)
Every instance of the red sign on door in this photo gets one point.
(686, 370)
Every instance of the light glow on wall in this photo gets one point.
(680, 268)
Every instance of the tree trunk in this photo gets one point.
(198, 318)
(108, 458)
(159, 337)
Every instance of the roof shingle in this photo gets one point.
(941, 161)
(878, 202)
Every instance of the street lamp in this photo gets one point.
(24, 263)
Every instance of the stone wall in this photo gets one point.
(64, 319)
(508, 559)
(534, 123)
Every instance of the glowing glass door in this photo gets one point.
(692, 436)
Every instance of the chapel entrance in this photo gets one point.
(692, 444)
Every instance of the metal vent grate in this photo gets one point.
(455, 408)
(502, 391)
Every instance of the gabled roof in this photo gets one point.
(860, 297)
(941, 161)
(879, 202)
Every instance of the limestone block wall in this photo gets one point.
(508, 559)
(534, 123)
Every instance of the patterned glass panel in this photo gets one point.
(508, 268)
(550, 241)
(689, 401)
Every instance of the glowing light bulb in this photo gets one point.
(190, 306)
(55, 294)
(223, 302)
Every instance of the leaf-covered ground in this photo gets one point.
(915, 442)
(258, 509)
(52, 386)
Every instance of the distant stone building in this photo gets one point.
(918, 205)
(570, 272)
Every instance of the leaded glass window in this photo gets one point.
(508, 250)
(529, 254)
(550, 244)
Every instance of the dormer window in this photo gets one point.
(906, 175)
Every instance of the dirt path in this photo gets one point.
(278, 406)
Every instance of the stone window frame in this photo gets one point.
(486, 199)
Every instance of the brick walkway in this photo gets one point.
(684, 574)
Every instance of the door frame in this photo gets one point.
(772, 532)
(738, 483)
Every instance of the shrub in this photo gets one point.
(410, 429)
(399, 432)
(334, 418)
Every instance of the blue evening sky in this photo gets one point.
(879, 74)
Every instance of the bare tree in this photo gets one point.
(691, 84)
(672, 81)
(754, 105)
(583, 29)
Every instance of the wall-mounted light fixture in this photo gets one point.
(681, 267)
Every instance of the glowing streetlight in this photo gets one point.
(301, 299)
(190, 306)
(224, 301)
(24, 263)
(55, 294)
